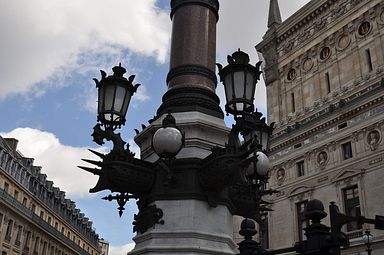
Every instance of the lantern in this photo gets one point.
(114, 96)
(239, 79)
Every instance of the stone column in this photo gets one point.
(190, 225)
(191, 79)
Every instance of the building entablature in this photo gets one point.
(345, 35)
(312, 21)
(327, 116)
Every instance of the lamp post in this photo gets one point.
(367, 239)
(194, 173)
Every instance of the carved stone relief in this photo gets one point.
(280, 176)
(364, 28)
(343, 42)
(373, 139)
(322, 159)
(307, 64)
(325, 53)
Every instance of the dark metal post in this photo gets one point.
(317, 234)
(249, 246)
(367, 240)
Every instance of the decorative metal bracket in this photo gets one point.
(147, 218)
(121, 199)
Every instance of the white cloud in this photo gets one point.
(43, 38)
(58, 161)
(121, 250)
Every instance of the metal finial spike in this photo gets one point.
(97, 163)
(101, 155)
(94, 171)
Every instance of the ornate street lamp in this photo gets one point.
(239, 79)
(367, 239)
(234, 174)
(114, 96)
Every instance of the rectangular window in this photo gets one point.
(36, 247)
(33, 208)
(347, 150)
(56, 225)
(27, 240)
(352, 206)
(44, 251)
(25, 201)
(369, 59)
(300, 168)
(328, 82)
(293, 102)
(42, 215)
(302, 222)
(49, 220)
(1, 221)
(344, 125)
(6, 187)
(8, 234)
(18, 235)
(16, 195)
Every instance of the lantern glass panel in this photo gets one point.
(126, 103)
(109, 97)
(119, 99)
(228, 87)
(250, 86)
(239, 83)
(100, 103)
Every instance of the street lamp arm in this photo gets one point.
(99, 135)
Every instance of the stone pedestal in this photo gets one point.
(190, 227)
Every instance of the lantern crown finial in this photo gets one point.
(239, 57)
(119, 71)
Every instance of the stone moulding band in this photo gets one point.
(210, 4)
(192, 69)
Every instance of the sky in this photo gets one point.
(51, 50)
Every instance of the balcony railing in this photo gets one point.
(12, 202)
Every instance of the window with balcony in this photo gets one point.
(18, 235)
(352, 206)
(8, 233)
(27, 241)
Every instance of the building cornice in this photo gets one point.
(346, 107)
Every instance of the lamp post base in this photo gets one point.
(191, 227)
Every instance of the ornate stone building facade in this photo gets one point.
(35, 216)
(324, 76)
